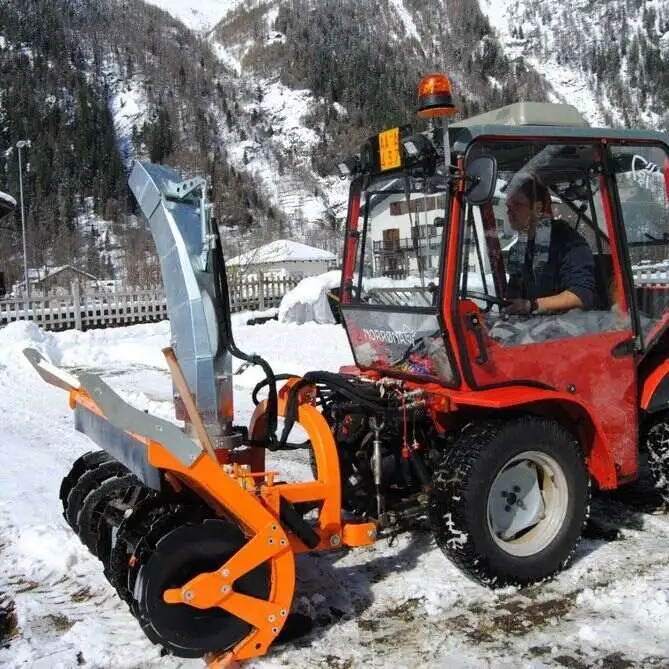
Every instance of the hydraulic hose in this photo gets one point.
(225, 325)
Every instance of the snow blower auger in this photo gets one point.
(192, 532)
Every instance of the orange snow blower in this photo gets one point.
(194, 534)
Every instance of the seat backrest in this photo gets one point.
(604, 278)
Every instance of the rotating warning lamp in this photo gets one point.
(435, 96)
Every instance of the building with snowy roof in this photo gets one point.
(55, 280)
(284, 257)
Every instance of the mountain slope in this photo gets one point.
(94, 84)
(610, 59)
(266, 96)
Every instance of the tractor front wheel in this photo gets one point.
(510, 500)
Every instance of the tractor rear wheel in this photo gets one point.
(510, 500)
(656, 443)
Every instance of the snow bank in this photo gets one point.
(137, 345)
(25, 334)
(308, 301)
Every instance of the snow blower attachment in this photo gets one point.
(192, 532)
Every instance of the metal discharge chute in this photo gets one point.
(182, 226)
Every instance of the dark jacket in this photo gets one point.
(542, 268)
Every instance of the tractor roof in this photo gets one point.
(527, 113)
(541, 120)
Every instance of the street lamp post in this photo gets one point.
(23, 143)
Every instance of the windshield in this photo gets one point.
(537, 259)
(401, 225)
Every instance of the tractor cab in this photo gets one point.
(514, 258)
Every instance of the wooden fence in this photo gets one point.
(102, 310)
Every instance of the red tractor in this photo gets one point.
(504, 290)
(528, 309)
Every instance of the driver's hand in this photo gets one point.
(518, 306)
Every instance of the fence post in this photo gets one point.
(76, 301)
(261, 291)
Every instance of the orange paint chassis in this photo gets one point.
(240, 491)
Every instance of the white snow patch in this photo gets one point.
(281, 250)
(407, 20)
(128, 106)
(308, 300)
(201, 16)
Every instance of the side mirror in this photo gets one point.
(481, 179)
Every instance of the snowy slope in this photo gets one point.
(569, 84)
(391, 605)
(279, 158)
(199, 16)
(560, 40)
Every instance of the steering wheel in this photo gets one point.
(491, 299)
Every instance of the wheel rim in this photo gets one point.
(527, 503)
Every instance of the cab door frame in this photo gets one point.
(599, 369)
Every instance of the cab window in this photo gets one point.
(640, 173)
(537, 260)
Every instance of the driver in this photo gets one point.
(551, 267)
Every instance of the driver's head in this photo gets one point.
(526, 202)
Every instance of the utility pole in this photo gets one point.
(23, 143)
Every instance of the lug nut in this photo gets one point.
(507, 508)
(271, 618)
(516, 488)
(188, 595)
(335, 540)
(275, 630)
(283, 613)
(505, 493)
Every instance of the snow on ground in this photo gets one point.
(396, 604)
(308, 301)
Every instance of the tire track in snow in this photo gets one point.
(67, 612)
